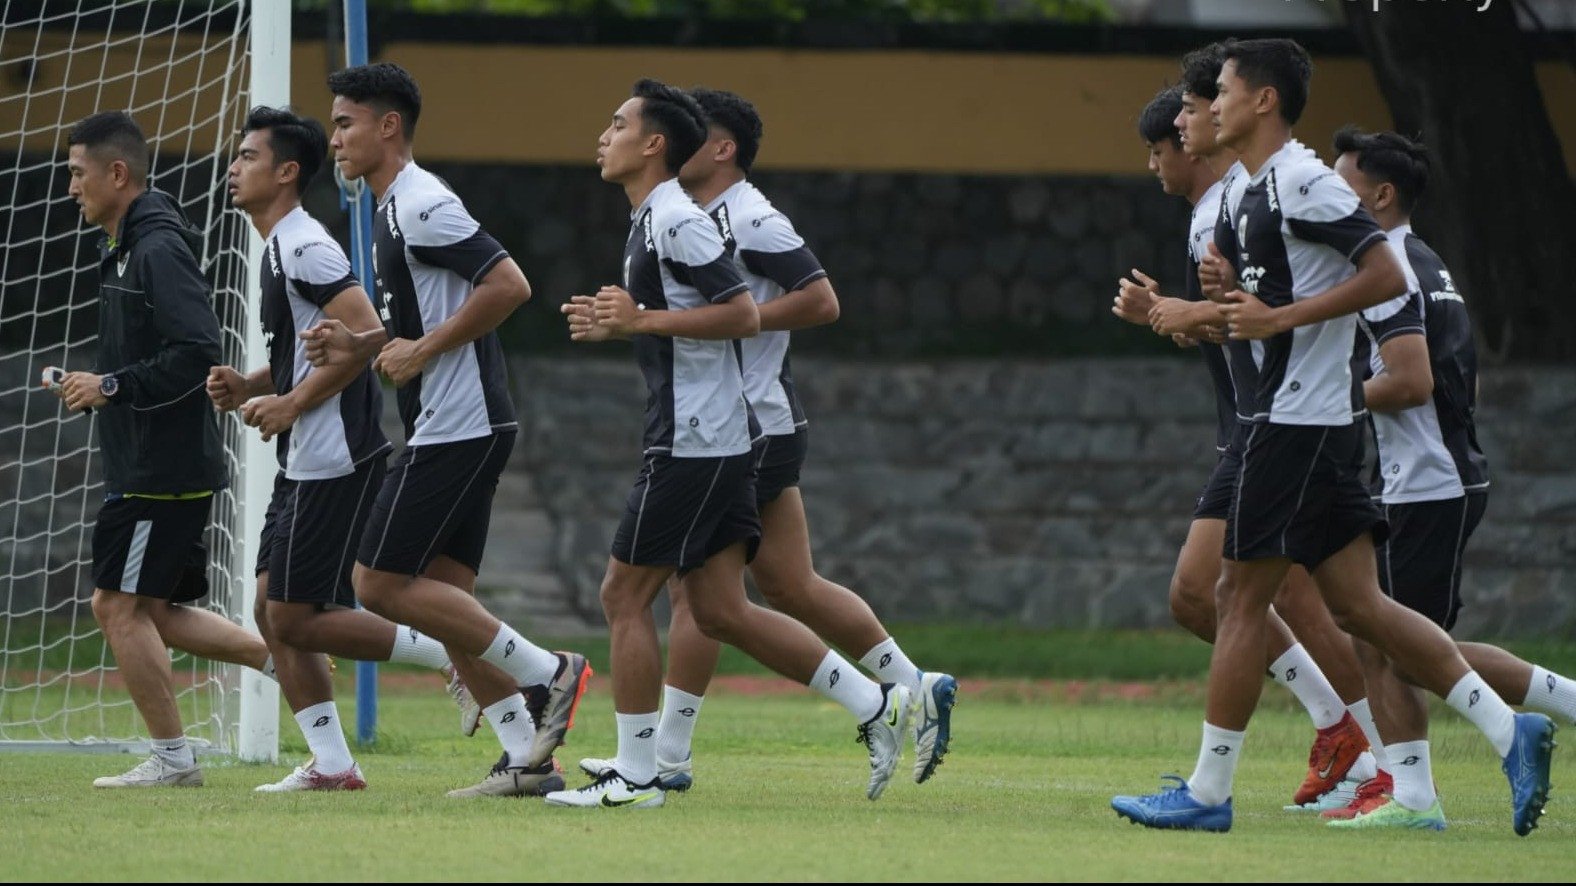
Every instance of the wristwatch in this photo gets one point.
(109, 386)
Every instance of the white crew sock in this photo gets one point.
(527, 663)
(1296, 671)
(512, 723)
(1363, 713)
(890, 665)
(413, 647)
(637, 747)
(841, 682)
(680, 710)
(1217, 765)
(175, 751)
(1487, 711)
(320, 725)
(1413, 774)
(1552, 694)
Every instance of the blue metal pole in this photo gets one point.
(355, 197)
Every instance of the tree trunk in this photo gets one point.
(1500, 206)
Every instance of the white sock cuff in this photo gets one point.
(413, 647)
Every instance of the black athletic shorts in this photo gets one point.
(1215, 501)
(1420, 563)
(1300, 495)
(152, 547)
(782, 457)
(683, 510)
(310, 534)
(436, 501)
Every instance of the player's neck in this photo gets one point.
(112, 226)
(1262, 144)
(381, 178)
(1392, 220)
(1220, 161)
(637, 189)
(1204, 177)
(268, 218)
(713, 187)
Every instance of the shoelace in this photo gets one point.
(1170, 796)
(602, 780)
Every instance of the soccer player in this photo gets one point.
(692, 511)
(791, 291)
(1433, 486)
(163, 459)
(332, 453)
(1303, 251)
(1185, 156)
(446, 285)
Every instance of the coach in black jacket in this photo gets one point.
(157, 434)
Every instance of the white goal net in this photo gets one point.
(181, 68)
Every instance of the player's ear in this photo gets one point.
(1384, 195)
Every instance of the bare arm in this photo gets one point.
(352, 308)
(736, 317)
(1407, 379)
(814, 305)
(1378, 279)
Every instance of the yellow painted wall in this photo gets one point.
(893, 110)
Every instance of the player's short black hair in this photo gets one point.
(292, 138)
(1276, 62)
(1158, 121)
(1388, 157)
(113, 135)
(384, 86)
(1201, 70)
(674, 113)
(735, 114)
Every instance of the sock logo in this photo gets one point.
(836, 675)
(1220, 750)
(507, 718)
(320, 722)
(1291, 674)
(1412, 760)
(508, 649)
(686, 712)
(1473, 698)
(1549, 682)
(646, 733)
(413, 636)
(886, 659)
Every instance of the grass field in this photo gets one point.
(779, 796)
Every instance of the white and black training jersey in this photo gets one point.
(1429, 452)
(674, 260)
(429, 254)
(1293, 230)
(773, 260)
(304, 271)
(1201, 233)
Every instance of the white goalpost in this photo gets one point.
(187, 71)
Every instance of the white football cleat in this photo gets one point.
(153, 772)
(938, 692)
(884, 734)
(670, 776)
(470, 711)
(610, 791)
(307, 778)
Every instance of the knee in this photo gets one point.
(1193, 604)
(620, 600)
(1355, 617)
(376, 590)
(113, 608)
(782, 592)
(718, 620)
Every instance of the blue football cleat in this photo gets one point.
(1527, 768)
(1174, 808)
(933, 722)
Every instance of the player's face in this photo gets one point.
(1232, 110)
(619, 149)
(1367, 189)
(252, 178)
(92, 185)
(1171, 166)
(1198, 130)
(701, 167)
(354, 137)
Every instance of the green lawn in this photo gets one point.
(779, 796)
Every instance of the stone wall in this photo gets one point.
(1049, 494)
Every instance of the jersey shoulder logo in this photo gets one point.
(724, 226)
